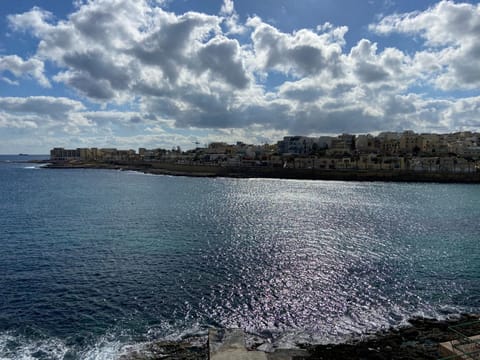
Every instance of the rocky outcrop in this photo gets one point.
(191, 348)
(420, 340)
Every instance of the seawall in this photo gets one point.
(277, 172)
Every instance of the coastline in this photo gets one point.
(419, 340)
(175, 169)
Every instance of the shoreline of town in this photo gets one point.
(208, 170)
(388, 156)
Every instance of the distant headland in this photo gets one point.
(389, 156)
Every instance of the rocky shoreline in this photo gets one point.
(419, 340)
(205, 170)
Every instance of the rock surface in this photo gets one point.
(418, 341)
(229, 344)
(191, 348)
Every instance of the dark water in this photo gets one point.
(94, 260)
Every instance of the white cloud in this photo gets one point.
(35, 20)
(20, 123)
(55, 108)
(9, 81)
(390, 66)
(221, 57)
(189, 71)
(41, 115)
(443, 24)
(303, 53)
(450, 32)
(32, 68)
(231, 18)
(227, 8)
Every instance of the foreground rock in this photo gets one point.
(191, 348)
(232, 344)
(419, 341)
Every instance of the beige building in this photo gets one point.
(410, 141)
(366, 143)
(430, 143)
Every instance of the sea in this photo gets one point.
(95, 262)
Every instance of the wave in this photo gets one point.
(107, 350)
(20, 348)
(112, 345)
(137, 172)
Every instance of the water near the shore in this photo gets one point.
(94, 260)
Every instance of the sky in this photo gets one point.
(167, 73)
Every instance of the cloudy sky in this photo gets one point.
(162, 73)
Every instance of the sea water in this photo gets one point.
(95, 262)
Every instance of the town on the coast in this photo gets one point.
(457, 152)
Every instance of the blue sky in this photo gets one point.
(162, 73)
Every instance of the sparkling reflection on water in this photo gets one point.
(87, 253)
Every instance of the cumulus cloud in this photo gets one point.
(445, 23)
(117, 118)
(391, 65)
(42, 114)
(450, 32)
(191, 71)
(35, 20)
(51, 121)
(95, 75)
(182, 67)
(231, 18)
(221, 56)
(40, 105)
(173, 44)
(227, 8)
(32, 68)
(303, 53)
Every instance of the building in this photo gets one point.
(295, 145)
(61, 154)
(410, 142)
(366, 144)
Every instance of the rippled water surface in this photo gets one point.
(91, 260)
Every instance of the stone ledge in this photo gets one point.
(457, 348)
